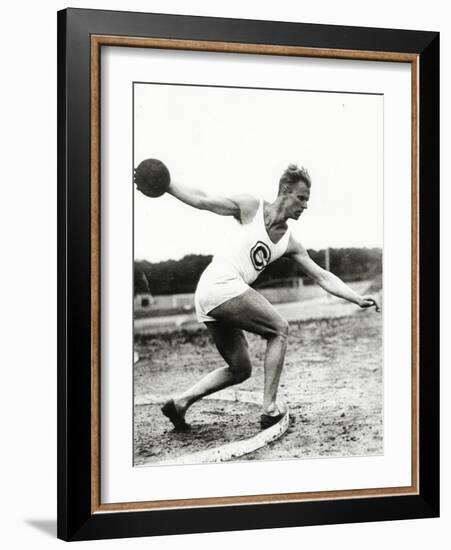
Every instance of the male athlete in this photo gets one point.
(228, 305)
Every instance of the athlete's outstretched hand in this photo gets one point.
(369, 301)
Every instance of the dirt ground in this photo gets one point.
(332, 381)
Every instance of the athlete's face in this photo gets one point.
(296, 200)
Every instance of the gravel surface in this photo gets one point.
(332, 380)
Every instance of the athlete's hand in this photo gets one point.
(369, 301)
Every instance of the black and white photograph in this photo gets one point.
(224, 293)
(257, 273)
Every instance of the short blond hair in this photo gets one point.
(293, 174)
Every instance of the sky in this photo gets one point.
(234, 140)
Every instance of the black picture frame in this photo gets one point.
(77, 517)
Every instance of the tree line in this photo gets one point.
(181, 276)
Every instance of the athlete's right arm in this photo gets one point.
(218, 204)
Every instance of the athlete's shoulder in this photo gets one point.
(248, 205)
(294, 246)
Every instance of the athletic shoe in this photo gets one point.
(266, 420)
(169, 410)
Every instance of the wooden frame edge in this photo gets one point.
(110, 40)
(415, 299)
(95, 276)
(235, 47)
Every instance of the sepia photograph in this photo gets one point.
(257, 274)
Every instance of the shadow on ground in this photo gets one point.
(47, 526)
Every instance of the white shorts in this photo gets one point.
(214, 288)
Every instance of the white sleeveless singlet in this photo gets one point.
(237, 264)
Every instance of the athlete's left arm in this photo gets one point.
(325, 279)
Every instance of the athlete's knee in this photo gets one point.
(245, 372)
(278, 329)
(241, 371)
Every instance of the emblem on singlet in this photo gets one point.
(260, 255)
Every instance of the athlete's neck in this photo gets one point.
(275, 213)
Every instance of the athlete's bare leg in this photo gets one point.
(232, 346)
(252, 312)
